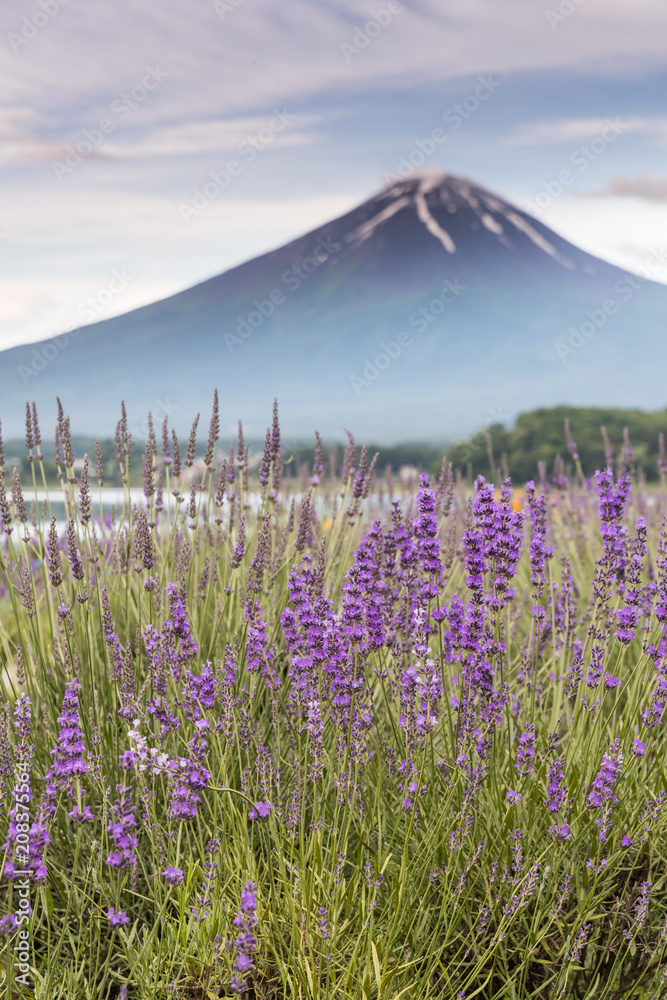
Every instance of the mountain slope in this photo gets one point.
(432, 309)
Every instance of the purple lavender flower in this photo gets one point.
(626, 620)
(83, 815)
(53, 552)
(560, 831)
(177, 629)
(611, 502)
(474, 554)
(539, 551)
(9, 924)
(556, 788)
(69, 754)
(641, 911)
(638, 749)
(189, 777)
(121, 831)
(201, 911)
(113, 643)
(628, 616)
(171, 649)
(173, 876)
(245, 943)
(603, 784)
(117, 919)
(526, 751)
(661, 560)
(641, 908)
(323, 923)
(199, 692)
(602, 795)
(259, 654)
(425, 529)
(260, 810)
(578, 944)
(505, 545)
(239, 548)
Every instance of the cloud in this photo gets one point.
(181, 139)
(87, 55)
(628, 232)
(571, 130)
(642, 186)
(45, 278)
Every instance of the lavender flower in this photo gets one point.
(69, 754)
(556, 789)
(173, 876)
(121, 831)
(260, 810)
(117, 919)
(526, 751)
(578, 945)
(53, 554)
(602, 795)
(539, 551)
(245, 943)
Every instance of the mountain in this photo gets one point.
(432, 310)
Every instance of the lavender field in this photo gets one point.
(322, 736)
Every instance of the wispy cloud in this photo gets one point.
(22, 143)
(556, 131)
(642, 186)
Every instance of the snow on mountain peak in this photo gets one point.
(429, 191)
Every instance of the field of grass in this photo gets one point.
(330, 740)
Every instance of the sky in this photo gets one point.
(146, 146)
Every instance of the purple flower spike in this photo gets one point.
(117, 919)
(560, 831)
(174, 876)
(556, 790)
(602, 795)
(245, 943)
(120, 831)
(261, 810)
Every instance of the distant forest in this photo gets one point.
(633, 439)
